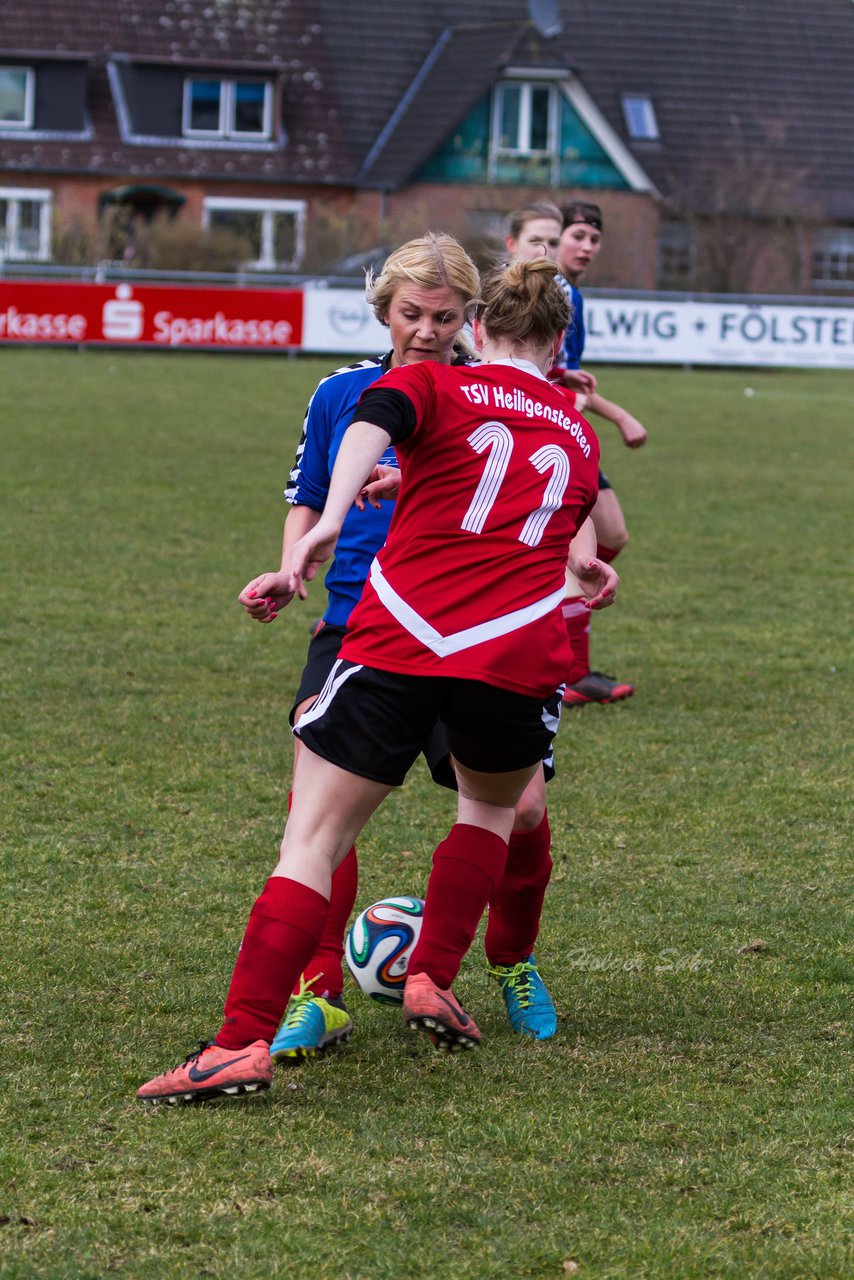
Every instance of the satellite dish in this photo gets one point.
(545, 17)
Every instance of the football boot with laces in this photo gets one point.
(530, 1008)
(312, 1024)
(209, 1072)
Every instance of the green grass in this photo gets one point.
(690, 1119)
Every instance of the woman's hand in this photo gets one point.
(578, 380)
(633, 432)
(597, 580)
(264, 596)
(383, 482)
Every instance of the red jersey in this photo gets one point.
(497, 477)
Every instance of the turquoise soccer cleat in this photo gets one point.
(311, 1025)
(530, 1008)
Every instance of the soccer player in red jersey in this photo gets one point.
(498, 475)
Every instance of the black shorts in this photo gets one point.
(375, 723)
(323, 651)
(322, 654)
(604, 482)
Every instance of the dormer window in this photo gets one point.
(17, 95)
(639, 115)
(216, 108)
(524, 121)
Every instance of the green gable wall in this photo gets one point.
(464, 156)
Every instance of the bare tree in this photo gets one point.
(746, 209)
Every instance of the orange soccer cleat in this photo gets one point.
(211, 1071)
(439, 1013)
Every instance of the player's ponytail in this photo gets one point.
(524, 302)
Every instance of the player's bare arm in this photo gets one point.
(634, 433)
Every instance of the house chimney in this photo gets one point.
(544, 15)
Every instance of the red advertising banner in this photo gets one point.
(163, 316)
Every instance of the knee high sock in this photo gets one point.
(325, 964)
(466, 868)
(517, 904)
(576, 617)
(607, 553)
(284, 928)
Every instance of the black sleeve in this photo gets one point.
(387, 408)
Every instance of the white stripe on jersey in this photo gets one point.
(294, 474)
(327, 693)
(443, 646)
(574, 610)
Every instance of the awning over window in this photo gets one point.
(143, 194)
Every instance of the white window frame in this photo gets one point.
(525, 115)
(268, 209)
(640, 118)
(829, 244)
(227, 108)
(15, 197)
(29, 98)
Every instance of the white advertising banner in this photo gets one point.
(629, 331)
(738, 333)
(341, 320)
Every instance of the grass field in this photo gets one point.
(693, 1117)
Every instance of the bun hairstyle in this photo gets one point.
(433, 261)
(524, 301)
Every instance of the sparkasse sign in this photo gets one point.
(149, 315)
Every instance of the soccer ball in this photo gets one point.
(379, 946)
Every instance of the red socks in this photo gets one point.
(517, 904)
(285, 926)
(576, 617)
(325, 964)
(606, 553)
(466, 868)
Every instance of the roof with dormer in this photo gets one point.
(370, 91)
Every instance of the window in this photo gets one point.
(677, 256)
(24, 224)
(17, 92)
(524, 120)
(640, 119)
(274, 229)
(833, 257)
(228, 108)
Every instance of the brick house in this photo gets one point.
(718, 137)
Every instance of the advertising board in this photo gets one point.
(166, 316)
